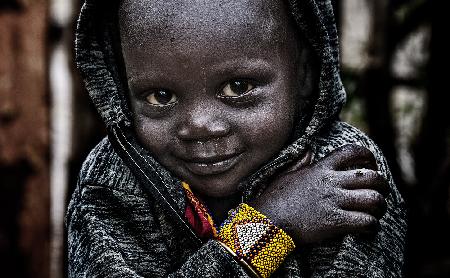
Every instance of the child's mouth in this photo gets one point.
(212, 165)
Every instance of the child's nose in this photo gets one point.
(203, 124)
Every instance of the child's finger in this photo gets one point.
(350, 157)
(355, 222)
(363, 200)
(364, 179)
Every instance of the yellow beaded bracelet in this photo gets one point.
(255, 239)
(241, 261)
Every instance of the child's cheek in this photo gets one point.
(267, 125)
(153, 134)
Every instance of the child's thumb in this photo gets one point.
(301, 163)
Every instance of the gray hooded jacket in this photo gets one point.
(125, 218)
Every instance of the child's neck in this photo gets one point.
(219, 207)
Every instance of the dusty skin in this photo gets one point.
(215, 96)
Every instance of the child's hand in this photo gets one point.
(340, 194)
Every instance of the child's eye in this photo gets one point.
(236, 88)
(161, 98)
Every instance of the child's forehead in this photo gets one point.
(214, 20)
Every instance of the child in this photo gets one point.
(225, 155)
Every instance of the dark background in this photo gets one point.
(397, 93)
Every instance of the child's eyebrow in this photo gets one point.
(246, 65)
(229, 67)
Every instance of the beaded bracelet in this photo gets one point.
(252, 272)
(255, 239)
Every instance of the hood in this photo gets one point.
(98, 65)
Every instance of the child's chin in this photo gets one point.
(215, 188)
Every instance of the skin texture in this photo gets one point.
(340, 194)
(193, 50)
(215, 87)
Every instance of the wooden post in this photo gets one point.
(24, 140)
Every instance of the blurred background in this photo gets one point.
(394, 66)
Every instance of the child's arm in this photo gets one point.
(381, 255)
(338, 195)
(378, 256)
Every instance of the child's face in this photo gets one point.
(212, 85)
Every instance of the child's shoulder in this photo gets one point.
(340, 133)
(103, 167)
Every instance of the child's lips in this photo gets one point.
(213, 165)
